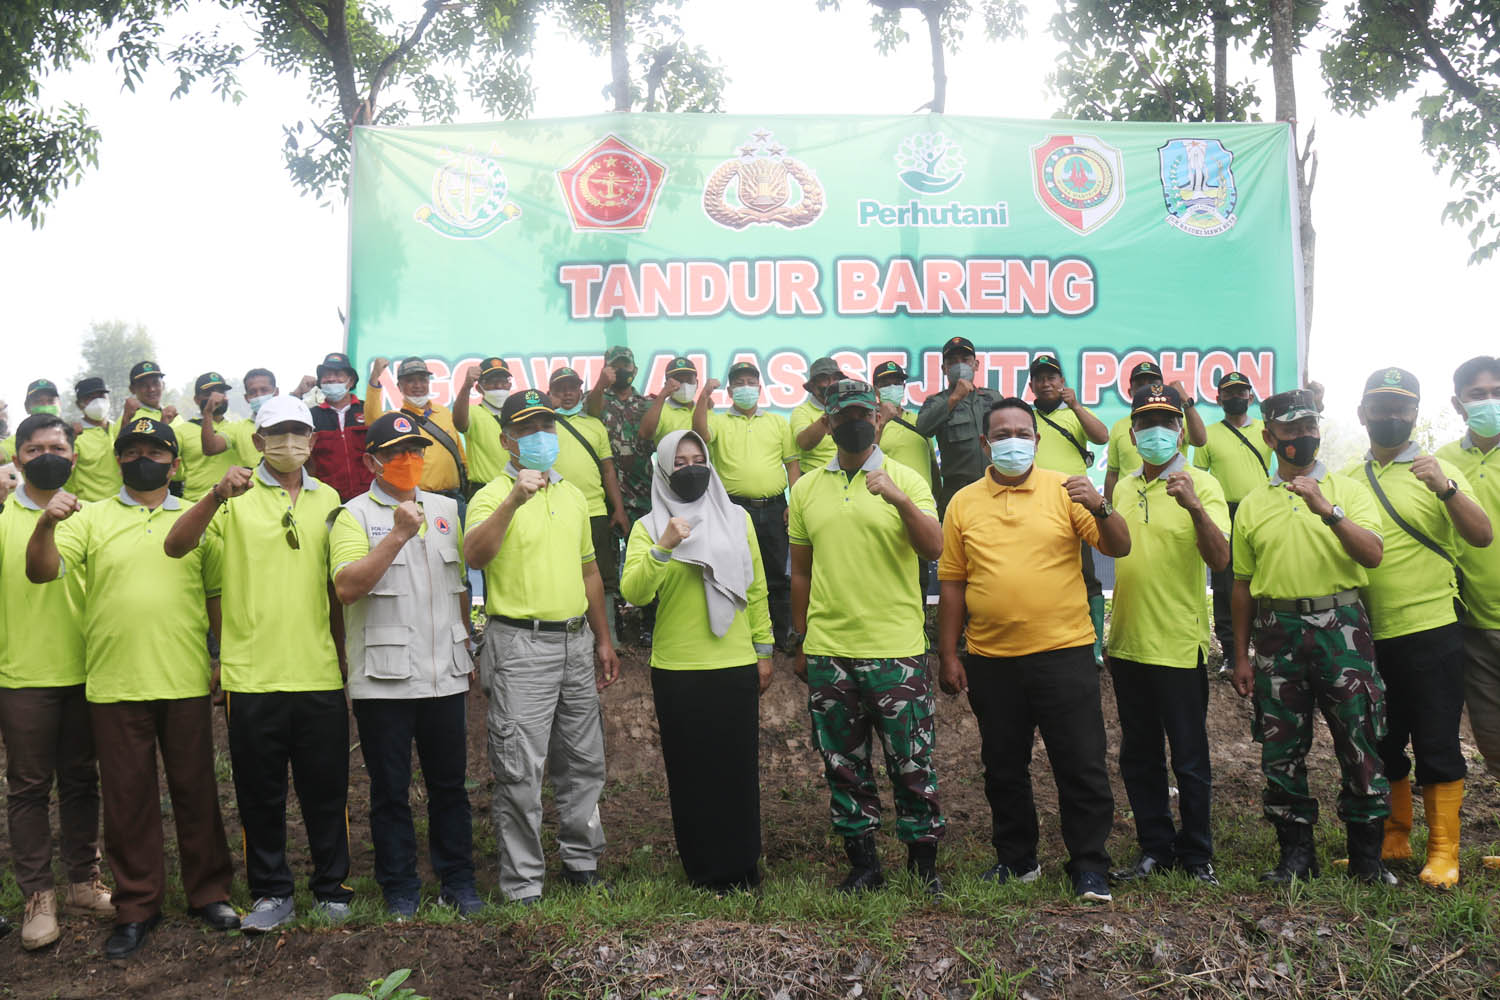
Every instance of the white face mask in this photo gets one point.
(684, 392)
(97, 409)
(422, 400)
(496, 397)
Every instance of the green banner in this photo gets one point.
(779, 239)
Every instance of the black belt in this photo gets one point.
(758, 502)
(1310, 605)
(538, 625)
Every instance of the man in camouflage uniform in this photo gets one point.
(613, 399)
(1302, 545)
(859, 527)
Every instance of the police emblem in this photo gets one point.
(145, 425)
(1080, 179)
(402, 425)
(756, 188)
(611, 186)
(442, 525)
(468, 197)
(1198, 185)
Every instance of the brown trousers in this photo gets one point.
(127, 735)
(47, 739)
(1482, 692)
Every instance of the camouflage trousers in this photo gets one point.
(852, 700)
(1320, 661)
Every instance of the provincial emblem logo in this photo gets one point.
(611, 186)
(468, 197)
(1080, 179)
(1198, 185)
(763, 186)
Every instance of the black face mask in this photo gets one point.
(1299, 451)
(689, 482)
(1048, 407)
(48, 472)
(220, 410)
(1235, 406)
(1388, 431)
(624, 377)
(145, 475)
(854, 436)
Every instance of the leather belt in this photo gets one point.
(1310, 605)
(758, 503)
(537, 625)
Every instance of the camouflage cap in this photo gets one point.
(1289, 407)
(849, 392)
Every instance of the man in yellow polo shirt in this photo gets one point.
(480, 425)
(859, 526)
(1121, 456)
(529, 531)
(147, 383)
(1476, 397)
(446, 470)
(756, 460)
(1426, 509)
(1302, 545)
(1010, 562)
(146, 679)
(280, 667)
(1158, 637)
(96, 474)
(809, 420)
(210, 444)
(672, 409)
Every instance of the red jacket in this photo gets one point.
(337, 453)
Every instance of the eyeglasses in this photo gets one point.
(1145, 507)
(290, 524)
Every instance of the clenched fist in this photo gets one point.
(408, 519)
(528, 481)
(1180, 488)
(1081, 491)
(1427, 469)
(235, 482)
(1306, 487)
(62, 506)
(881, 485)
(678, 530)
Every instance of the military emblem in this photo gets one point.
(1198, 185)
(611, 186)
(762, 187)
(468, 197)
(402, 425)
(1080, 179)
(930, 163)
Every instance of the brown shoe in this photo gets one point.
(40, 926)
(89, 899)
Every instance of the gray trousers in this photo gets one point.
(1482, 691)
(544, 716)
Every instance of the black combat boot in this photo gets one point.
(921, 861)
(864, 865)
(1299, 858)
(1365, 840)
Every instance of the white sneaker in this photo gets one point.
(268, 913)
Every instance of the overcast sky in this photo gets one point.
(191, 226)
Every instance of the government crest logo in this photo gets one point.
(611, 186)
(1198, 185)
(929, 163)
(1080, 179)
(442, 525)
(401, 425)
(469, 197)
(763, 186)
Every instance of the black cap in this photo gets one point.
(1287, 407)
(489, 365)
(89, 386)
(393, 428)
(209, 382)
(1231, 379)
(337, 362)
(681, 366)
(958, 344)
(147, 429)
(562, 375)
(1395, 381)
(1156, 397)
(141, 369)
(886, 369)
(1145, 368)
(527, 403)
(742, 368)
(39, 386)
(1044, 361)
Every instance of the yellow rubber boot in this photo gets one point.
(1442, 803)
(1397, 843)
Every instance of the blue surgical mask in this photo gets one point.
(539, 450)
(1484, 417)
(334, 391)
(256, 402)
(571, 411)
(1012, 456)
(893, 394)
(746, 397)
(1157, 445)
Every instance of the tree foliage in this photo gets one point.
(1451, 53)
(672, 74)
(108, 351)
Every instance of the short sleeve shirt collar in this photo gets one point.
(264, 475)
(169, 503)
(1408, 454)
(1178, 463)
(1318, 472)
(515, 473)
(877, 457)
(995, 486)
(24, 499)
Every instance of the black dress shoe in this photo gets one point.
(220, 916)
(126, 939)
(1203, 873)
(584, 879)
(1142, 869)
(4, 927)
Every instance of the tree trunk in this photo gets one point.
(619, 62)
(1221, 61)
(1283, 47)
(933, 12)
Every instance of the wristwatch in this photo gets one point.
(1449, 493)
(794, 639)
(1334, 516)
(1104, 510)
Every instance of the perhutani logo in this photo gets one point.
(930, 163)
(469, 197)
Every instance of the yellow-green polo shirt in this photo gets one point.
(487, 455)
(674, 417)
(906, 446)
(1122, 457)
(866, 602)
(1232, 464)
(537, 573)
(41, 625)
(575, 464)
(275, 606)
(1055, 452)
(141, 410)
(144, 614)
(821, 453)
(1286, 551)
(1481, 566)
(200, 472)
(1161, 611)
(750, 452)
(1413, 588)
(96, 474)
(682, 639)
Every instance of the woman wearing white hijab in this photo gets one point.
(710, 659)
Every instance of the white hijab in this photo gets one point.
(719, 544)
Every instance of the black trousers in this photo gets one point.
(387, 729)
(1424, 697)
(1171, 702)
(710, 742)
(308, 731)
(1058, 693)
(1222, 581)
(770, 531)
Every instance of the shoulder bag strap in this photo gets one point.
(1083, 453)
(583, 441)
(1253, 450)
(931, 458)
(441, 437)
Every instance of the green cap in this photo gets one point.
(850, 392)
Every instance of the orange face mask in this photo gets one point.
(404, 471)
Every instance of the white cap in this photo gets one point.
(280, 410)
